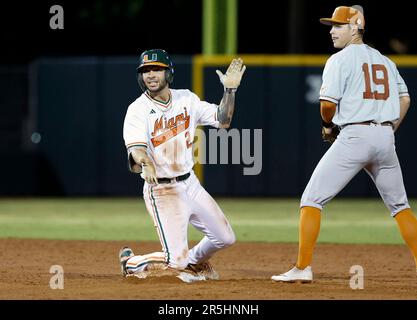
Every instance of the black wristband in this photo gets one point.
(327, 124)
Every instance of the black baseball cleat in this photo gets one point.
(125, 254)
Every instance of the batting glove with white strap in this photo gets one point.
(231, 79)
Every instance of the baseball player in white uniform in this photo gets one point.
(159, 130)
(364, 96)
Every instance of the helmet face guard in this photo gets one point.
(155, 57)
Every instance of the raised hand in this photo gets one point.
(231, 79)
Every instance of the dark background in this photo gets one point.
(73, 87)
(126, 27)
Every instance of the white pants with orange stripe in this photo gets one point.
(172, 207)
(139, 263)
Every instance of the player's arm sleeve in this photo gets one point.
(205, 113)
(334, 79)
(134, 135)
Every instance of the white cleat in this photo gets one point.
(295, 275)
(189, 278)
(205, 269)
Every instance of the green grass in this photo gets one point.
(270, 220)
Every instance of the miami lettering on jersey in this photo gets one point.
(168, 132)
(167, 129)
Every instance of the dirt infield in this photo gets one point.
(91, 271)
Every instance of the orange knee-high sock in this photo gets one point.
(407, 223)
(309, 229)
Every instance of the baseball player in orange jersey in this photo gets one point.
(364, 96)
(159, 130)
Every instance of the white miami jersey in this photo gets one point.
(364, 84)
(167, 129)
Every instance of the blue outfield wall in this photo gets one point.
(79, 106)
(283, 101)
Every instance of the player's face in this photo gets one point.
(341, 35)
(154, 78)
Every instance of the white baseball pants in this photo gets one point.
(369, 147)
(172, 207)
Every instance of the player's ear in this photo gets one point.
(354, 30)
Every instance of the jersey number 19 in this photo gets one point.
(369, 94)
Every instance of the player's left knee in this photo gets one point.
(227, 240)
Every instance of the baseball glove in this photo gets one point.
(330, 134)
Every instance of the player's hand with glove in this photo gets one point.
(149, 174)
(139, 162)
(329, 132)
(231, 79)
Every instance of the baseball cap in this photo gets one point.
(344, 15)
